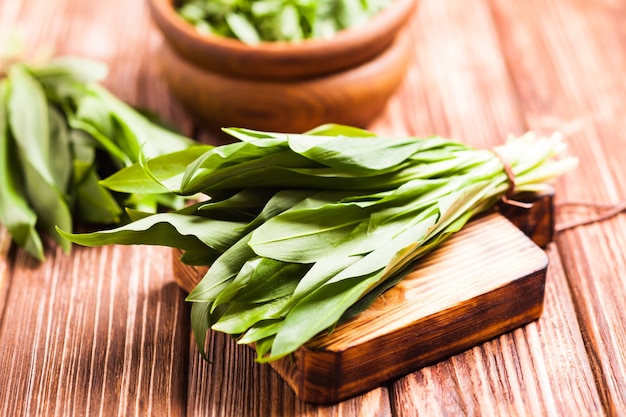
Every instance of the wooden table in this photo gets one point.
(105, 331)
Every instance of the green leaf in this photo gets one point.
(288, 24)
(166, 229)
(200, 323)
(261, 280)
(94, 203)
(278, 203)
(206, 173)
(168, 169)
(306, 235)
(238, 318)
(357, 153)
(46, 200)
(261, 330)
(331, 129)
(30, 127)
(222, 271)
(318, 311)
(93, 123)
(15, 213)
(32, 136)
(200, 257)
(70, 68)
(139, 134)
(60, 161)
(242, 28)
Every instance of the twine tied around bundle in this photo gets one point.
(507, 198)
(611, 209)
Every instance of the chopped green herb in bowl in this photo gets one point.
(253, 21)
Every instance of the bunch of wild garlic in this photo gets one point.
(302, 231)
(60, 131)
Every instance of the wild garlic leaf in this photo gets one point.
(31, 131)
(358, 153)
(318, 311)
(306, 236)
(169, 171)
(279, 140)
(30, 127)
(15, 213)
(139, 134)
(60, 158)
(288, 24)
(49, 204)
(332, 299)
(376, 260)
(207, 180)
(279, 202)
(70, 68)
(250, 201)
(268, 20)
(93, 203)
(90, 127)
(166, 229)
(65, 131)
(239, 317)
(200, 323)
(262, 279)
(222, 271)
(201, 257)
(333, 129)
(240, 280)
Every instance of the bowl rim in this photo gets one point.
(213, 51)
(286, 97)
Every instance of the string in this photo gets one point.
(612, 210)
(507, 198)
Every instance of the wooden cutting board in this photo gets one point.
(485, 281)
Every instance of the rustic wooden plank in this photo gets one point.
(577, 66)
(231, 383)
(103, 331)
(120, 34)
(527, 372)
(569, 77)
(457, 86)
(462, 88)
(5, 265)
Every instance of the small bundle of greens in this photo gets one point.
(60, 132)
(253, 21)
(302, 231)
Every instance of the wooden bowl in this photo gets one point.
(281, 60)
(285, 86)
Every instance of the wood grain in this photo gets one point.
(577, 82)
(529, 371)
(113, 344)
(461, 86)
(100, 331)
